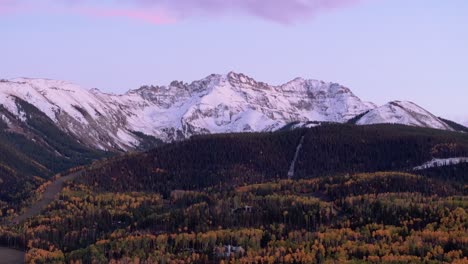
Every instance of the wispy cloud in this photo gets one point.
(167, 11)
(283, 11)
(7, 6)
(149, 16)
(87, 8)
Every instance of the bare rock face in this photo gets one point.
(216, 104)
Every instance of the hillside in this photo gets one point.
(236, 159)
(213, 198)
(32, 152)
(202, 161)
(389, 217)
(349, 149)
(36, 146)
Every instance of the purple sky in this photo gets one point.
(382, 49)
(171, 11)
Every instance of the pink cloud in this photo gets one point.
(283, 11)
(81, 7)
(6, 6)
(149, 16)
(167, 11)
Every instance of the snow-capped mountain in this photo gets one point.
(216, 104)
(402, 112)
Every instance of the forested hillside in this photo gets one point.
(236, 159)
(15, 188)
(348, 149)
(226, 199)
(33, 151)
(386, 217)
(202, 161)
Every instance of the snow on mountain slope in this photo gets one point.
(402, 112)
(216, 104)
(73, 109)
(441, 162)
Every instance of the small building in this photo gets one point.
(229, 251)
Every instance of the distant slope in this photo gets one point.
(454, 125)
(236, 159)
(404, 113)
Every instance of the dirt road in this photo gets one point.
(49, 195)
(12, 256)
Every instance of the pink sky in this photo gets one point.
(167, 11)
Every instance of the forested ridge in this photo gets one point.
(233, 159)
(226, 199)
(202, 161)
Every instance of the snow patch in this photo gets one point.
(6, 120)
(441, 162)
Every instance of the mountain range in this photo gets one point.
(325, 166)
(232, 102)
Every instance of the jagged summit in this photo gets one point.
(233, 102)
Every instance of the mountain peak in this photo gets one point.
(242, 79)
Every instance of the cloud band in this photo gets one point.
(167, 11)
